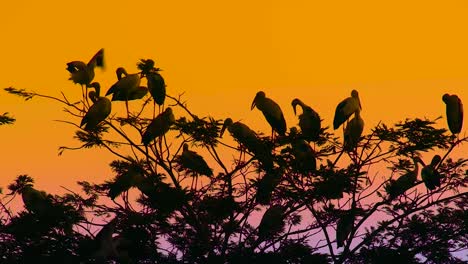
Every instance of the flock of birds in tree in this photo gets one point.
(128, 88)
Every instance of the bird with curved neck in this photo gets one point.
(99, 111)
(272, 112)
(405, 182)
(126, 87)
(309, 121)
(353, 131)
(346, 108)
(454, 111)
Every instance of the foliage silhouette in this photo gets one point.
(6, 120)
(296, 198)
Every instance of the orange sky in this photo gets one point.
(401, 56)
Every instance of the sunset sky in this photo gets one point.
(401, 56)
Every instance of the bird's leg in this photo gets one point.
(126, 106)
(193, 180)
(154, 109)
(240, 155)
(84, 98)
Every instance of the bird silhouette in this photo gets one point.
(271, 111)
(399, 186)
(272, 222)
(304, 156)
(454, 111)
(353, 132)
(158, 126)
(99, 111)
(429, 174)
(309, 121)
(194, 162)
(83, 73)
(127, 87)
(248, 138)
(346, 108)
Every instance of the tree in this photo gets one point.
(166, 211)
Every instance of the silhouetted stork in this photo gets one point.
(194, 162)
(346, 108)
(159, 126)
(353, 132)
(309, 121)
(126, 87)
(99, 111)
(399, 186)
(248, 138)
(454, 111)
(83, 73)
(430, 175)
(271, 111)
(272, 222)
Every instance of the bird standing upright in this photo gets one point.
(454, 111)
(159, 126)
(346, 108)
(309, 121)
(271, 111)
(157, 87)
(99, 111)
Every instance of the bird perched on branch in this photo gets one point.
(159, 126)
(194, 162)
(272, 222)
(304, 156)
(127, 87)
(34, 200)
(266, 185)
(454, 111)
(397, 187)
(271, 111)
(248, 138)
(353, 131)
(346, 108)
(99, 111)
(309, 121)
(345, 225)
(430, 175)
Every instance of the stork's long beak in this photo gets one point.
(359, 101)
(294, 108)
(253, 104)
(222, 130)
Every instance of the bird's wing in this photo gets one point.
(75, 66)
